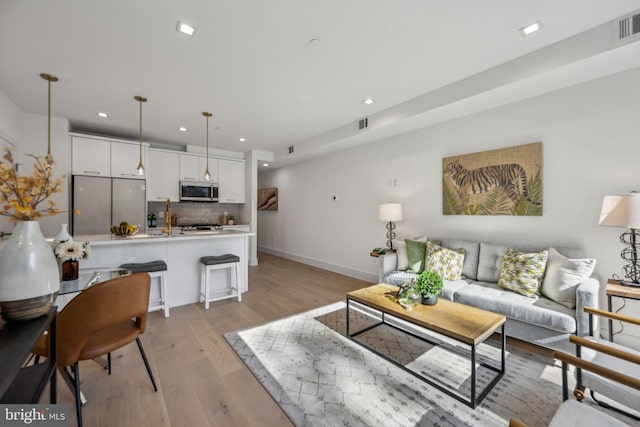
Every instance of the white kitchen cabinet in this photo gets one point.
(231, 178)
(193, 167)
(90, 156)
(125, 159)
(163, 176)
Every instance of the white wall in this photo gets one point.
(28, 132)
(590, 147)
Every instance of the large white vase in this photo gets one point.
(29, 276)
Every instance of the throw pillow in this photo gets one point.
(563, 276)
(522, 272)
(445, 262)
(415, 253)
(402, 262)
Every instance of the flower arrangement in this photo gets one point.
(72, 251)
(21, 196)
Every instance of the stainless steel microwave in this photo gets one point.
(199, 191)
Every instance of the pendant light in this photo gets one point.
(49, 157)
(207, 175)
(140, 100)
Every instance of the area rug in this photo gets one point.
(321, 378)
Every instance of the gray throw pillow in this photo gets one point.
(563, 275)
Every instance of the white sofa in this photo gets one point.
(539, 320)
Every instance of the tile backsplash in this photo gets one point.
(195, 212)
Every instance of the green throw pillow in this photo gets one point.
(522, 272)
(445, 262)
(415, 253)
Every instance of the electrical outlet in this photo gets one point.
(161, 214)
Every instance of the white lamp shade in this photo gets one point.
(390, 212)
(621, 210)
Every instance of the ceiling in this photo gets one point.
(252, 64)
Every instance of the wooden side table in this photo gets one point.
(615, 289)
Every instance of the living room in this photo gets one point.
(579, 102)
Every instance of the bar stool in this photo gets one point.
(209, 263)
(155, 269)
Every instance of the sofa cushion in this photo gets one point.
(471, 254)
(402, 262)
(522, 272)
(491, 255)
(451, 287)
(537, 311)
(445, 262)
(416, 250)
(563, 275)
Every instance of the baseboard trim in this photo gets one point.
(356, 274)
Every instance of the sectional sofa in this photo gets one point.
(540, 319)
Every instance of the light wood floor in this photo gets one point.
(201, 381)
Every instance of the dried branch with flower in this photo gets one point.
(73, 251)
(21, 196)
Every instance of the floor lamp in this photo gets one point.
(390, 212)
(623, 210)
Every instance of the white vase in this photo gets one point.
(63, 235)
(29, 277)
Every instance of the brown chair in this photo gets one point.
(101, 319)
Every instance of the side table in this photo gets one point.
(615, 289)
(20, 384)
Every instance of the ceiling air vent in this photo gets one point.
(363, 124)
(628, 27)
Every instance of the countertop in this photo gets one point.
(110, 239)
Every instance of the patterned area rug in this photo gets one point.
(321, 378)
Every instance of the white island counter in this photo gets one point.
(181, 252)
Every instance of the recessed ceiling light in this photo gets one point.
(368, 101)
(531, 28)
(265, 164)
(314, 42)
(185, 28)
(242, 140)
(103, 115)
(182, 129)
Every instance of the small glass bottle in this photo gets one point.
(409, 296)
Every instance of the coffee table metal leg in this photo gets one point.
(504, 347)
(610, 320)
(473, 376)
(348, 333)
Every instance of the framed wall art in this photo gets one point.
(506, 181)
(268, 199)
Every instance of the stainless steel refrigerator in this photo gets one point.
(107, 201)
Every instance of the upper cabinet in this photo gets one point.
(90, 156)
(125, 159)
(231, 178)
(193, 167)
(99, 157)
(163, 176)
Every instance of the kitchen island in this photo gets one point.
(181, 252)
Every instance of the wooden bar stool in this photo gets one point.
(155, 269)
(209, 263)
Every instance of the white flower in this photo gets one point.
(71, 250)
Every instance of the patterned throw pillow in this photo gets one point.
(445, 262)
(522, 272)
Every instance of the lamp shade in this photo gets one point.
(621, 210)
(390, 212)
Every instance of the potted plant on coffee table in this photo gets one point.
(430, 284)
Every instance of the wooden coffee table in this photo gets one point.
(468, 325)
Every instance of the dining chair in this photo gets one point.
(101, 319)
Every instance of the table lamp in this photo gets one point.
(390, 212)
(623, 210)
